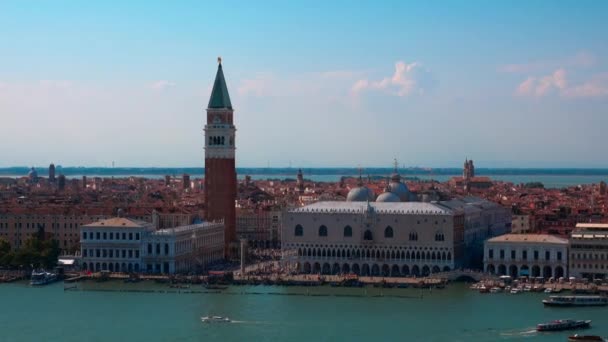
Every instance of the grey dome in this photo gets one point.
(33, 173)
(401, 190)
(388, 197)
(360, 194)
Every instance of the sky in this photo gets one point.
(313, 84)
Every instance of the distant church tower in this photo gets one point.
(220, 173)
(468, 171)
(300, 181)
(52, 173)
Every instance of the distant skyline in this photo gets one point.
(313, 84)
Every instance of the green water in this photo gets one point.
(270, 314)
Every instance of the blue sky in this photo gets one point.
(340, 83)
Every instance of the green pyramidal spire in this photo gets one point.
(219, 94)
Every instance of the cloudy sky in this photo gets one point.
(327, 83)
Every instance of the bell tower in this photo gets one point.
(220, 172)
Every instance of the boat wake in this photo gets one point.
(519, 333)
(249, 322)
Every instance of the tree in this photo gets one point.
(6, 254)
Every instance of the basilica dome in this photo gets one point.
(388, 197)
(360, 194)
(33, 174)
(399, 188)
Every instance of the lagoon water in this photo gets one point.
(269, 313)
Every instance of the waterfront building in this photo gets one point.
(183, 249)
(127, 245)
(483, 220)
(16, 228)
(220, 172)
(374, 238)
(529, 255)
(113, 245)
(589, 251)
(261, 228)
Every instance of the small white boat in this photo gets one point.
(215, 319)
(495, 290)
(548, 290)
(527, 288)
(515, 290)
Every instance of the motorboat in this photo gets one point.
(42, 277)
(215, 319)
(585, 338)
(548, 290)
(515, 290)
(483, 289)
(576, 301)
(563, 324)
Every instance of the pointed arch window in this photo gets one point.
(368, 235)
(348, 231)
(388, 232)
(299, 230)
(322, 231)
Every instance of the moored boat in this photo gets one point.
(576, 301)
(563, 324)
(42, 277)
(585, 338)
(515, 290)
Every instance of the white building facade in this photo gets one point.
(183, 249)
(529, 255)
(373, 238)
(113, 245)
(589, 251)
(126, 245)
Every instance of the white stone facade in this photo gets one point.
(391, 239)
(125, 245)
(589, 251)
(183, 249)
(529, 255)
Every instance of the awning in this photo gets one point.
(66, 262)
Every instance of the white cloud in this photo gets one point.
(406, 80)
(557, 82)
(162, 85)
(597, 86)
